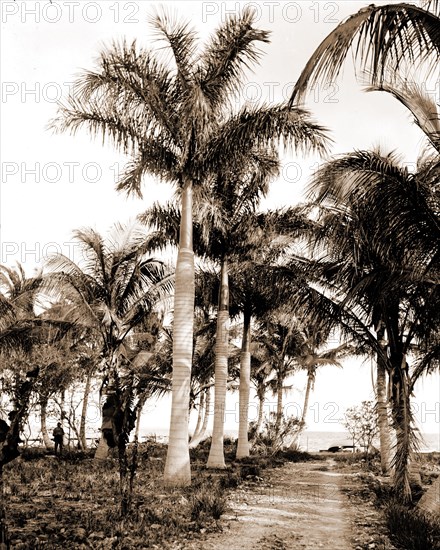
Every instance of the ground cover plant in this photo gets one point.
(52, 502)
(74, 501)
(407, 526)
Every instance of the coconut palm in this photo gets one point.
(384, 269)
(282, 338)
(174, 122)
(20, 331)
(112, 292)
(266, 238)
(383, 41)
(311, 359)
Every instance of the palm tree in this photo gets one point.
(265, 239)
(383, 270)
(282, 337)
(383, 40)
(20, 331)
(174, 123)
(311, 359)
(390, 41)
(112, 292)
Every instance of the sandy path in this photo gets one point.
(298, 507)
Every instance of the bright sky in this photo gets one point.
(52, 184)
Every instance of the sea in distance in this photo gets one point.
(316, 441)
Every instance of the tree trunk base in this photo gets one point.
(102, 450)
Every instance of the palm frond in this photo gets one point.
(154, 158)
(181, 39)
(381, 37)
(263, 127)
(423, 108)
(230, 51)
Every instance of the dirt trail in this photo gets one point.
(300, 507)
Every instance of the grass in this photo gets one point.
(55, 503)
(408, 527)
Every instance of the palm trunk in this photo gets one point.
(4, 538)
(245, 386)
(177, 465)
(402, 420)
(200, 416)
(82, 424)
(310, 377)
(382, 408)
(204, 427)
(260, 412)
(102, 450)
(279, 414)
(216, 458)
(43, 423)
(139, 408)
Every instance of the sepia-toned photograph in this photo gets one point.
(220, 275)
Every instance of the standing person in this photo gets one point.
(58, 435)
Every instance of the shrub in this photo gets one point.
(412, 529)
(293, 455)
(206, 503)
(33, 453)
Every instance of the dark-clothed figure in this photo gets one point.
(58, 435)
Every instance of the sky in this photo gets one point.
(52, 183)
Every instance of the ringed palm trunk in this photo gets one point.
(200, 416)
(177, 465)
(196, 439)
(245, 386)
(310, 378)
(216, 458)
(82, 424)
(43, 423)
(382, 409)
(204, 429)
(261, 394)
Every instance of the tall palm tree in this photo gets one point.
(265, 239)
(174, 121)
(384, 269)
(310, 359)
(283, 341)
(226, 212)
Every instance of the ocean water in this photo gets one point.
(315, 441)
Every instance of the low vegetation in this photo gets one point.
(52, 502)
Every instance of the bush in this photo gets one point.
(293, 455)
(33, 453)
(412, 529)
(207, 503)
